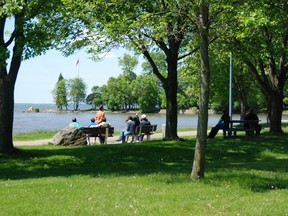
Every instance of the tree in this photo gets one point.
(146, 89)
(142, 26)
(95, 98)
(200, 147)
(28, 38)
(189, 85)
(264, 23)
(113, 88)
(128, 64)
(60, 93)
(77, 91)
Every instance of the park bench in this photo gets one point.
(96, 131)
(147, 130)
(238, 125)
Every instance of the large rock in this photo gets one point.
(69, 136)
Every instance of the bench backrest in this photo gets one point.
(145, 129)
(97, 130)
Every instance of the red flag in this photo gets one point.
(77, 62)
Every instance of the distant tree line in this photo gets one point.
(145, 93)
(69, 91)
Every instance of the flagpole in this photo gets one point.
(230, 86)
(78, 67)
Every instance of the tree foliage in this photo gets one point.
(76, 91)
(24, 38)
(143, 26)
(264, 23)
(60, 93)
(95, 98)
(146, 89)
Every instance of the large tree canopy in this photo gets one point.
(259, 32)
(23, 35)
(145, 27)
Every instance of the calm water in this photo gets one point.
(29, 121)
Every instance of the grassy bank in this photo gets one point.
(42, 134)
(243, 177)
(34, 135)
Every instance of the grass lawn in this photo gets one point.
(34, 135)
(242, 177)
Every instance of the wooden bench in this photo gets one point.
(96, 131)
(147, 130)
(233, 129)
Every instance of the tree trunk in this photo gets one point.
(273, 89)
(171, 88)
(6, 115)
(201, 140)
(171, 110)
(276, 112)
(170, 85)
(7, 83)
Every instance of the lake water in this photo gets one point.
(29, 121)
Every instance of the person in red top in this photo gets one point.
(100, 115)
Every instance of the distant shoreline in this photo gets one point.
(28, 107)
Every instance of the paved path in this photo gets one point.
(111, 140)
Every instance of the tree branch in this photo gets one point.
(196, 49)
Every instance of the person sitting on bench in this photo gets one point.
(92, 124)
(223, 123)
(251, 115)
(143, 121)
(130, 129)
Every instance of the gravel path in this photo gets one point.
(111, 140)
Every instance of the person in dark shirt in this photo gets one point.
(143, 121)
(251, 115)
(223, 123)
(130, 129)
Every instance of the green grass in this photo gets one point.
(34, 135)
(42, 134)
(242, 177)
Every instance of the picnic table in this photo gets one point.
(238, 125)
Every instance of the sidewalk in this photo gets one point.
(111, 140)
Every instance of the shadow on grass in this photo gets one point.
(258, 164)
(126, 159)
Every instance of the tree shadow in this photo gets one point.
(257, 164)
(234, 160)
(127, 159)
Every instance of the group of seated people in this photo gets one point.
(132, 122)
(103, 123)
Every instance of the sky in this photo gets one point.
(37, 77)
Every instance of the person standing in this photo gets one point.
(100, 115)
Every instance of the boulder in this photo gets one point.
(69, 136)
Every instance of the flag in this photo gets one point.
(77, 62)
